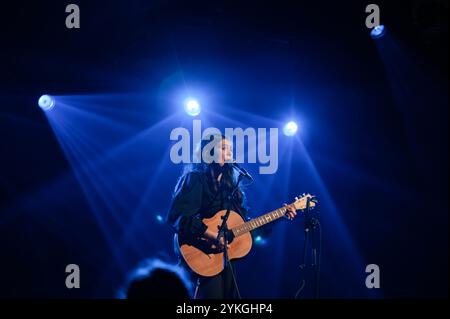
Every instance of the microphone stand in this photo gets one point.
(223, 231)
(312, 230)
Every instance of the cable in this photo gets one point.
(319, 231)
(303, 267)
(234, 279)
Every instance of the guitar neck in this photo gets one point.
(258, 221)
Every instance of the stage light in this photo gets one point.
(159, 219)
(378, 31)
(259, 240)
(192, 107)
(46, 102)
(290, 128)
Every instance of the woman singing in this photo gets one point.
(200, 193)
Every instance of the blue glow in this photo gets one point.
(159, 218)
(290, 128)
(259, 240)
(192, 107)
(378, 31)
(46, 102)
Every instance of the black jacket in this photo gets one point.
(194, 199)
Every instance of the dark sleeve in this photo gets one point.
(186, 203)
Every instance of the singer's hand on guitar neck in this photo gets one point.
(291, 212)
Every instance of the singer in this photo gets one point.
(203, 190)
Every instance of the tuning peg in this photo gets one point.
(296, 198)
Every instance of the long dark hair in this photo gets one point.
(212, 171)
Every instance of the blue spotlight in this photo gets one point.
(192, 107)
(378, 31)
(46, 102)
(259, 240)
(290, 128)
(159, 219)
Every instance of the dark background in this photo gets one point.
(377, 132)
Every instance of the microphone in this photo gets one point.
(241, 170)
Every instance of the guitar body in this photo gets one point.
(204, 260)
(207, 261)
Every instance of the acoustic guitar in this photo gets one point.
(206, 260)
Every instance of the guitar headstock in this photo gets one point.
(300, 201)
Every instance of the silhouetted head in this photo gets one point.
(158, 280)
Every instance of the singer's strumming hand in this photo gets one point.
(215, 244)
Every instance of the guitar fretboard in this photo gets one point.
(258, 221)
